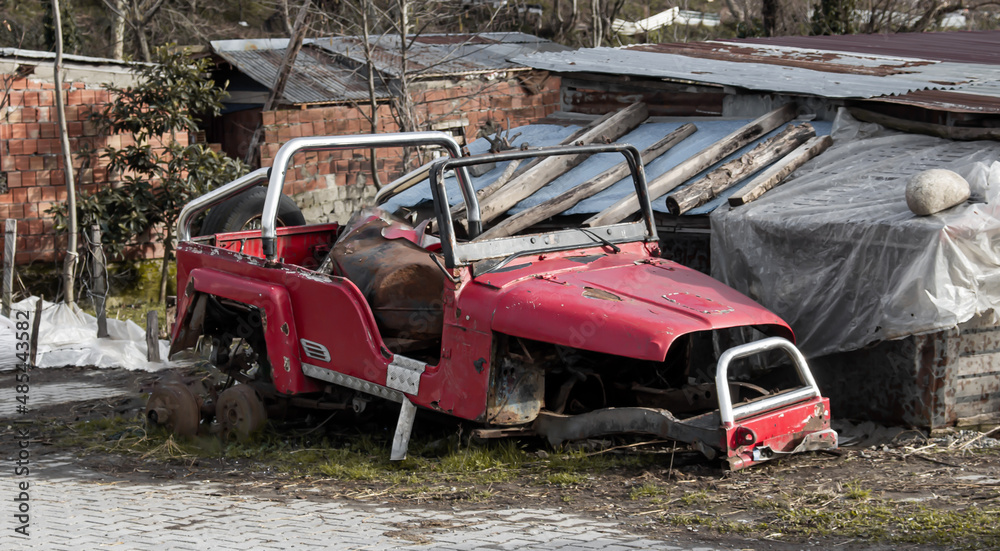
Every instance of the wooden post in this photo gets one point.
(153, 336)
(776, 173)
(36, 322)
(737, 170)
(551, 168)
(9, 252)
(100, 292)
(691, 167)
(563, 201)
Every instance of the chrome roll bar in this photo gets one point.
(283, 162)
(728, 414)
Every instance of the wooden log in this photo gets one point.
(100, 291)
(737, 170)
(776, 173)
(9, 253)
(152, 336)
(691, 167)
(551, 168)
(459, 209)
(560, 203)
(931, 129)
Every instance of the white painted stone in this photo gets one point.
(935, 190)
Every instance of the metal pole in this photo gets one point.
(9, 251)
(100, 292)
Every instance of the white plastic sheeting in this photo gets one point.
(68, 336)
(836, 252)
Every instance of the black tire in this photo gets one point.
(243, 213)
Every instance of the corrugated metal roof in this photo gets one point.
(962, 47)
(763, 76)
(439, 55)
(315, 77)
(954, 101)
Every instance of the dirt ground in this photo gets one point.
(913, 492)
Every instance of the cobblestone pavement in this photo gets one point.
(74, 508)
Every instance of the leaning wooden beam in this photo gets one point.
(459, 209)
(563, 201)
(916, 127)
(551, 168)
(691, 167)
(737, 170)
(776, 173)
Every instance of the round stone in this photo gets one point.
(935, 190)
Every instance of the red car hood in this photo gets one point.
(622, 304)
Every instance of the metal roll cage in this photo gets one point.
(455, 253)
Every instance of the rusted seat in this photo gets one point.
(400, 281)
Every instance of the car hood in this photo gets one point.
(622, 304)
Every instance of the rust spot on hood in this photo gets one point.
(591, 292)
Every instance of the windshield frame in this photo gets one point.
(467, 252)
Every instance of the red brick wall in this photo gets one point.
(32, 163)
(471, 102)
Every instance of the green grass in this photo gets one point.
(646, 491)
(968, 528)
(350, 458)
(564, 478)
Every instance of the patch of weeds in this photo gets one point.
(768, 504)
(969, 528)
(722, 526)
(856, 492)
(647, 490)
(700, 497)
(565, 479)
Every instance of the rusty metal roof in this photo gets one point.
(961, 47)
(315, 78)
(774, 68)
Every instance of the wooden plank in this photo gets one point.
(9, 253)
(776, 173)
(551, 168)
(152, 336)
(691, 167)
(737, 170)
(560, 203)
(459, 209)
(917, 127)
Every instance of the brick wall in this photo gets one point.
(32, 165)
(441, 105)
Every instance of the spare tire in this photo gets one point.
(243, 212)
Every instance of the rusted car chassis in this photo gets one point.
(568, 334)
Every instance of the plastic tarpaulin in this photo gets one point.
(836, 252)
(68, 336)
